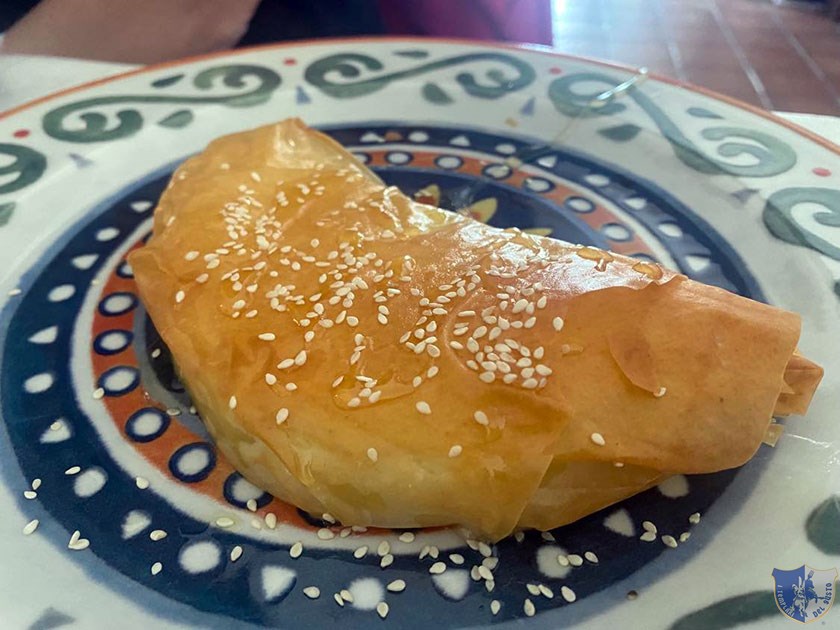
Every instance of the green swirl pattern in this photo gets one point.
(771, 155)
(779, 218)
(26, 167)
(62, 123)
(351, 68)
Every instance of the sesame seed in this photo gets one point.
(598, 439)
(455, 450)
(434, 552)
(354, 402)
(268, 336)
(568, 594)
(562, 560)
(312, 592)
(694, 518)
(361, 552)
(547, 536)
(484, 549)
(201, 279)
(533, 589)
(481, 418)
(372, 454)
(487, 377)
(270, 379)
(157, 534)
(531, 383)
(520, 536)
(384, 548)
(397, 586)
(437, 568)
(157, 567)
(352, 321)
(648, 537)
(648, 526)
(669, 541)
(557, 322)
(575, 560)
(484, 572)
(386, 561)
(179, 297)
(98, 393)
(141, 482)
(77, 543)
(529, 608)
(282, 415)
(251, 504)
(423, 407)
(300, 358)
(30, 527)
(495, 606)
(296, 550)
(225, 521)
(685, 536)
(589, 555)
(382, 609)
(338, 599)
(285, 363)
(660, 392)
(326, 534)
(14, 292)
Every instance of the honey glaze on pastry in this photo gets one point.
(355, 352)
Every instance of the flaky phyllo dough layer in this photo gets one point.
(358, 353)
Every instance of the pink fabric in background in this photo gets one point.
(498, 20)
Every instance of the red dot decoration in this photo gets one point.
(21, 133)
(555, 70)
(821, 172)
(289, 61)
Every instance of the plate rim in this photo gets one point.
(385, 39)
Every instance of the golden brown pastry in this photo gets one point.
(358, 353)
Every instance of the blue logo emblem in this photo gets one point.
(804, 594)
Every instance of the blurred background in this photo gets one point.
(777, 54)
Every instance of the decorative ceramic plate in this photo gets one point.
(119, 512)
